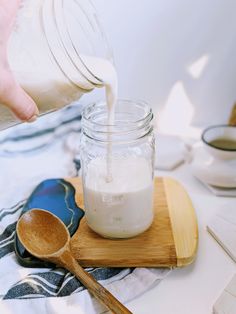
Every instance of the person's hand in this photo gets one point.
(11, 94)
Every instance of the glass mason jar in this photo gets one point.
(118, 168)
(50, 52)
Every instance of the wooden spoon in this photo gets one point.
(45, 236)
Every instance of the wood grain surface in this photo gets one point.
(171, 241)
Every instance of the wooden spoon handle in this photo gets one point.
(98, 291)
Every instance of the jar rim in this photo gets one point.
(88, 108)
(132, 121)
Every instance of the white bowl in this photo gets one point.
(219, 132)
(210, 170)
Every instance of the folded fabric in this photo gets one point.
(223, 228)
(170, 152)
(226, 303)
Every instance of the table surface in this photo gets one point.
(195, 288)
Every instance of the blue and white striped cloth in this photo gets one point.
(30, 154)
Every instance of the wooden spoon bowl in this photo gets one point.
(43, 232)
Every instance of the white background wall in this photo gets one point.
(179, 55)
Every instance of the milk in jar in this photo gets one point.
(122, 207)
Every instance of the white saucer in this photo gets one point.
(215, 172)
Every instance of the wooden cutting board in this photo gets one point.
(171, 241)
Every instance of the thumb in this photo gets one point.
(16, 99)
(11, 94)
